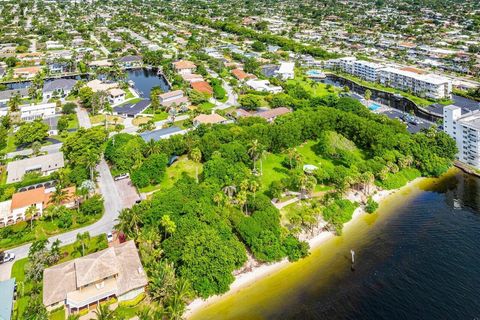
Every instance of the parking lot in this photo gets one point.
(411, 127)
(127, 191)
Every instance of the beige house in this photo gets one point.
(208, 119)
(44, 165)
(184, 67)
(115, 272)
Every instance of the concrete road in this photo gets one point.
(83, 119)
(112, 204)
(232, 98)
(102, 47)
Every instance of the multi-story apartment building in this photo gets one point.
(423, 85)
(406, 79)
(465, 129)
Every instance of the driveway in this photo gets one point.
(51, 148)
(127, 191)
(83, 119)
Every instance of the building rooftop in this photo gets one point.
(28, 198)
(209, 118)
(17, 169)
(59, 84)
(121, 261)
(7, 290)
(184, 64)
(133, 109)
(159, 134)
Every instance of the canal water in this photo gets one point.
(417, 258)
(144, 79)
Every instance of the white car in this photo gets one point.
(109, 237)
(7, 257)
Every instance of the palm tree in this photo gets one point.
(230, 190)
(196, 156)
(30, 214)
(59, 195)
(242, 199)
(103, 312)
(254, 152)
(14, 102)
(254, 187)
(368, 95)
(151, 148)
(168, 225)
(83, 238)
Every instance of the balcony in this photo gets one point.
(91, 294)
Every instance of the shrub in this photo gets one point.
(371, 206)
(92, 206)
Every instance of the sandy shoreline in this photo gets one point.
(248, 278)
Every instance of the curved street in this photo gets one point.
(112, 204)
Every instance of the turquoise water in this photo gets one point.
(374, 106)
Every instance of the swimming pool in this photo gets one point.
(374, 106)
(315, 73)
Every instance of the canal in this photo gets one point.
(416, 258)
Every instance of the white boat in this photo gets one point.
(131, 83)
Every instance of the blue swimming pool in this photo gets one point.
(314, 73)
(374, 106)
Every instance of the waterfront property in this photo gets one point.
(173, 97)
(427, 85)
(44, 165)
(184, 67)
(59, 88)
(406, 79)
(7, 296)
(83, 283)
(465, 129)
(286, 70)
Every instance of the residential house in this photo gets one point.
(272, 114)
(130, 61)
(57, 67)
(264, 86)
(184, 67)
(132, 110)
(14, 210)
(116, 96)
(173, 97)
(44, 165)
(97, 85)
(203, 87)
(83, 283)
(212, 118)
(7, 297)
(26, 72)
(192, 77)
(7, 94)
(287, 70)
(161, 133)
(242, 75)
(58, 88)
(53, 45)
(37, 111)
(100, 64)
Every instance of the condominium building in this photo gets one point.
(465, 129)
(37, 111)
(406, 79)
(423, 85)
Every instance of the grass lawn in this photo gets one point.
(10, 142)
(140, 120)
(25, 286)
(316, 89)
(100, 118)
(205, 107)
(21, 233)
(73, 123)
(158, 115)
(129, 94)
(174, 172)
(57, 315)
(273, 170)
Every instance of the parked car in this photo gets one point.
(109, 237)
(121, 176)
(6, 257)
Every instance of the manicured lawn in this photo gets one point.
(205, 107)
(158, 115)
(174, 172)
(73, 123)
(317, 89)
(10, 143)
(140, 120)
(273, 170)
(100, 118)
(21, 233)
(57, 315)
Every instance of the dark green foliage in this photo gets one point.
(92, 206)
(338, 212)
(371, 206)
(399, 179)
(69, 108)
(151, 171)
(30, 132)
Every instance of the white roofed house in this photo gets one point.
(116, 96)
(287, 70)
(263, 85)
(172, 97)
(37, 111)
(45, 165)
(116, 272)
(59, 88)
